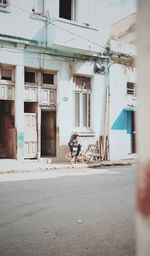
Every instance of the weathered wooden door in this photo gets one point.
(30, 135)
(48, 133)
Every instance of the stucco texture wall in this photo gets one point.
(120, 114)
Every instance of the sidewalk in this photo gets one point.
(14, 166)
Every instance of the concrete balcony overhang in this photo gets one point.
(69, 36)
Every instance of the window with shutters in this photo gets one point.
(6, 73)
(82, 98)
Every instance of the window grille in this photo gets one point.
(82, 101)
(6, 74)
(82, 82)
(131, 89)
(77, 109)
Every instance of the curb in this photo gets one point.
(64, 167)
(111, 164)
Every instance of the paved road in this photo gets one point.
(80, 215)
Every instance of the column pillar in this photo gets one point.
(64, 110)
(19, 108)
(143, 129)
(39, 125)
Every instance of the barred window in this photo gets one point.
(82, 82)
(82, 101)
(131, 89)
(86, 109)
(77, 109)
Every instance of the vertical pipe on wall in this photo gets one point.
(19, 103)
(39, 125)
(105, 149)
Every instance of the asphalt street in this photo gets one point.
(78, 215)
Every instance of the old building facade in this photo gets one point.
(48, 86)
(55, 76)
(123, 89)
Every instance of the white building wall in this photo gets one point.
(65, 93)
(98, 100)
(120, 139)
(34, 28)
(90, 136)
(9, 54)
(52, 7)
(64, 107)
(97, 85)
(18, 22)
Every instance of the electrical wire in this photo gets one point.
(19, 8)
(81, 37)
(50, 22)
(53, 55)
(68, 31)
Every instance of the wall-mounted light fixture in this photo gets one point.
(99, 68)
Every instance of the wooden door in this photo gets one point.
(48, 133)
(30, 135)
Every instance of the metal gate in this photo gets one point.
(30, 135)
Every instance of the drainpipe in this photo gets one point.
(106, 112)
(19, 103)
(143, 131)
